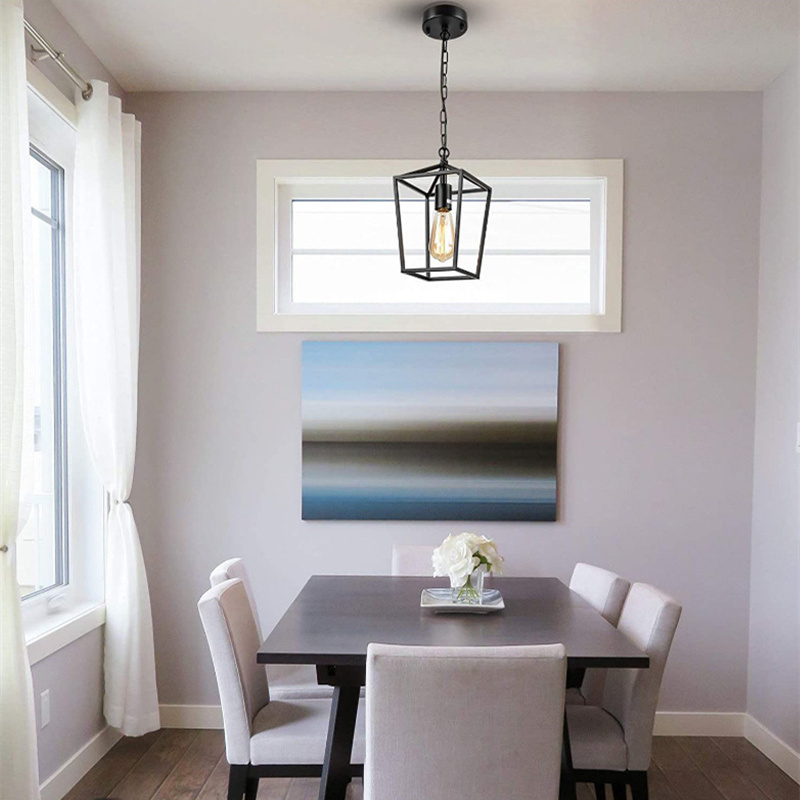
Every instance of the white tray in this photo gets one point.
(440, 601)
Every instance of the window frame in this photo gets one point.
(273, 227)
(57, 223)
(54, 618)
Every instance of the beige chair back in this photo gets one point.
(603, 590)
(234, 568)
(288, 681)
(233, 640)
(464, 722)
(412, 560)
(649, 619)
(606, 592)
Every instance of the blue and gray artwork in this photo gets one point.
(430, 430)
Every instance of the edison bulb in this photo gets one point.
(442, 235)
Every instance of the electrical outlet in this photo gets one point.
(45, 708)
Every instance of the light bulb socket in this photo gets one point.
(443, 194)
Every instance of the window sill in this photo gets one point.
(62, 628)
(270, 322)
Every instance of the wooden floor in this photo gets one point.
(190, 765)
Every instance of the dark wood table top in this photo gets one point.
(334, 618)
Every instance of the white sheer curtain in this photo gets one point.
(106, 236)
(19, 771)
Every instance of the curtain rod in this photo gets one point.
(48, 51)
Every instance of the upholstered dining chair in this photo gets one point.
(263, 737)
(413, 560)
(464, 722)
(606, 592)
(287, 681)
(612, 743)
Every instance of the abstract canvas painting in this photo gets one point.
(430, 430)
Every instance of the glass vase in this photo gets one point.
(471, 593)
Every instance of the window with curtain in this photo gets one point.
(42, 557)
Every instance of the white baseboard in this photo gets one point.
(72, 770)
(668, 723)
(775, 749)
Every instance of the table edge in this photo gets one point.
(352, 659)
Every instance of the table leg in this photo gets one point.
(575, 676)
(566, 789)
(338, 750)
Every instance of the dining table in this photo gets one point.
(335, 617)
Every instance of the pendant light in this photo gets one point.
(442, 186)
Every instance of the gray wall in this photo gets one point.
(74, 674)
(773, 695)
(656, 423)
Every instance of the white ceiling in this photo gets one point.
(636, 45)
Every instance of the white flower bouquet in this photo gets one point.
(465, 558)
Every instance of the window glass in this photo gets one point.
(538, 252)
(41, 551)
(41, 186)
(331, 278)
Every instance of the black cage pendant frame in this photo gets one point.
(442, 21)
(427, 179)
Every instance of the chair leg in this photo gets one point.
(237, 781)
(600, 791)
(618, 791)
(252, 789)
(639, 790)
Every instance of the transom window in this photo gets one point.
(328, 252)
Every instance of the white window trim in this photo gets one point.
(61, 615)
(62, 629)
(271, 174)
(47, 90)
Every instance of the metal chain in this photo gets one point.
(444, 152)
